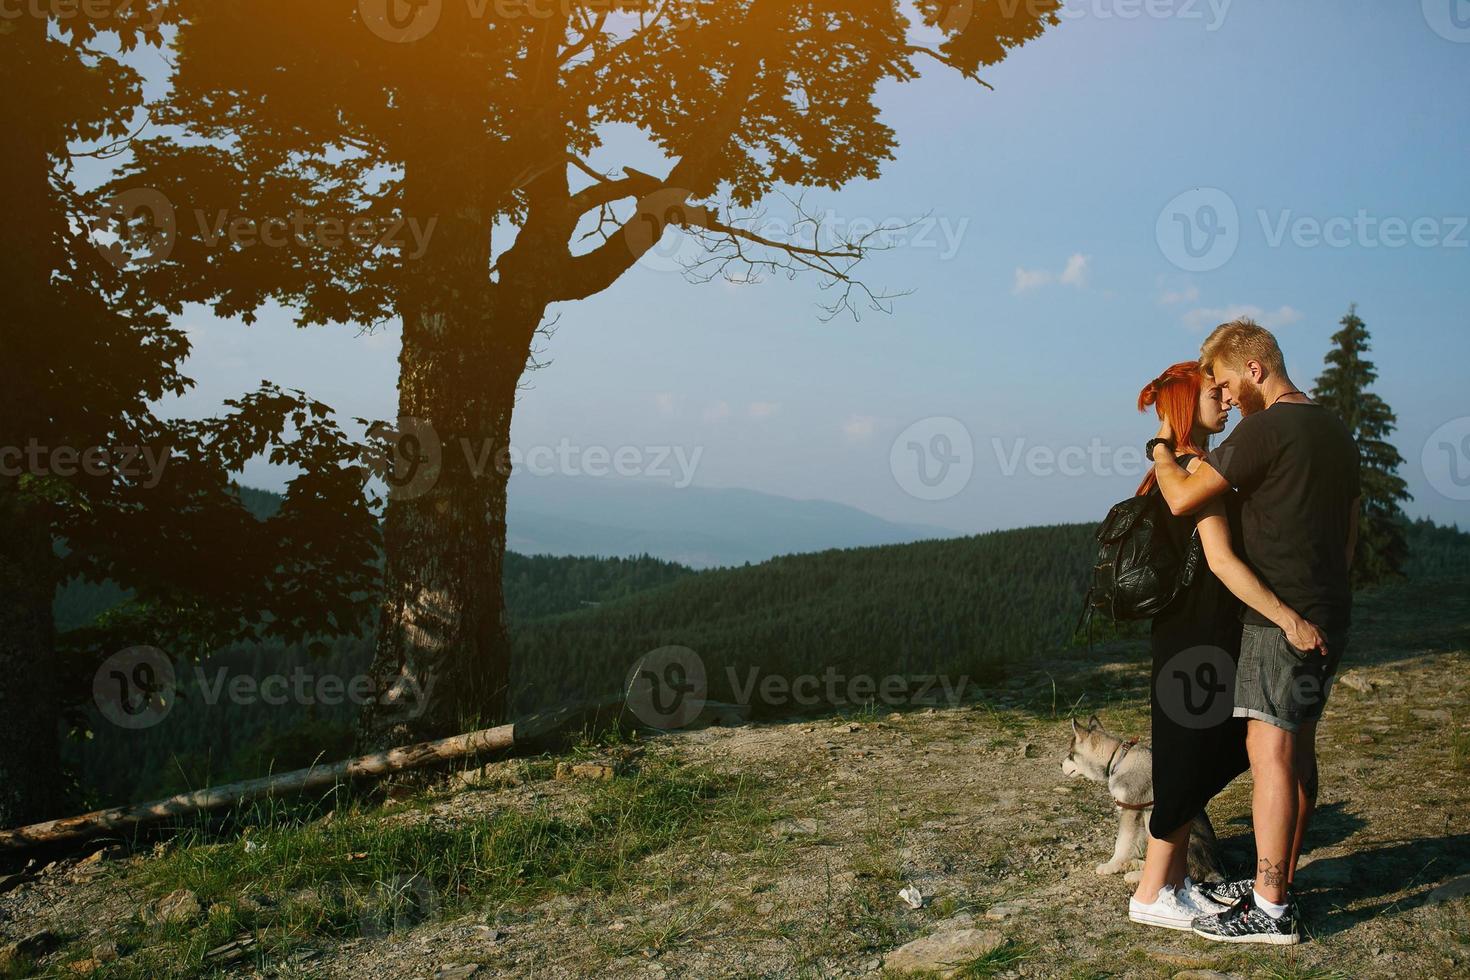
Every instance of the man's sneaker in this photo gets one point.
(1169, 910)
(1244, 923)
(1227, 893)
(1193, 892)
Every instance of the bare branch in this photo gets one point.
(589, 36)
(949, 63)
(727, 256)
(637, 37)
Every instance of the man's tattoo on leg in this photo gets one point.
(1309, 785)
(1273, 874)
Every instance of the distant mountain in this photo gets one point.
(700, 527)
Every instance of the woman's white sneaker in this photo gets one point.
(1169, 910)
(1193, 894)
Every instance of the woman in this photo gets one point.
(1191, 763)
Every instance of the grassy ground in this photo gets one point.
(779, 850)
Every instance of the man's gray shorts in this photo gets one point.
(1279, 684)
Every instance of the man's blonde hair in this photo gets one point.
(1238, 341)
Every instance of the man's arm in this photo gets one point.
(1186, 492)
(1236, 575)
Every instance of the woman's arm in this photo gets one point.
(1214, 534)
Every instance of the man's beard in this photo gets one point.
(1249, 397)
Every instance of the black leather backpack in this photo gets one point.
(1139, 569)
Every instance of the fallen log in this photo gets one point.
(314, 777)
(533, 733)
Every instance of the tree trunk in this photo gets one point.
(30, 764)
(442, 659)
(30, 774)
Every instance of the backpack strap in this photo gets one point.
(1086, 618)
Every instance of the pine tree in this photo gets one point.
(1343, 386)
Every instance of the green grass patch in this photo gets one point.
(370, 872)
(998, 960)
(1287, 970)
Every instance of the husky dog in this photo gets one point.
(1127, 769)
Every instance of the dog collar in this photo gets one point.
(1123, 747)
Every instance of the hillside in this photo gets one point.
(963, 605)
(965, 608)
(206, 739)
(778, 850)
(702, 527)
(960, 606)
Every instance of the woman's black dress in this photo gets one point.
(1198, 747)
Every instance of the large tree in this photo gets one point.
(1344, 385)
(93, 483)
(482, 122)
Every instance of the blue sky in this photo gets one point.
(1051, 280)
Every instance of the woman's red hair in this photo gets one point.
(1174, 395)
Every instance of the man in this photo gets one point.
(1295, 466)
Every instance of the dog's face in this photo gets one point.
(1087, 754)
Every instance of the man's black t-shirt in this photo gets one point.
(1296, 467)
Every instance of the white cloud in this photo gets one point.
(763, 410)
(1205, 318)
(666, 402)
(1188, 294)
(717, 412)
(1029, 279)
(1075, 275)
(859, 427)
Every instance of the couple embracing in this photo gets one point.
(1275, 506)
